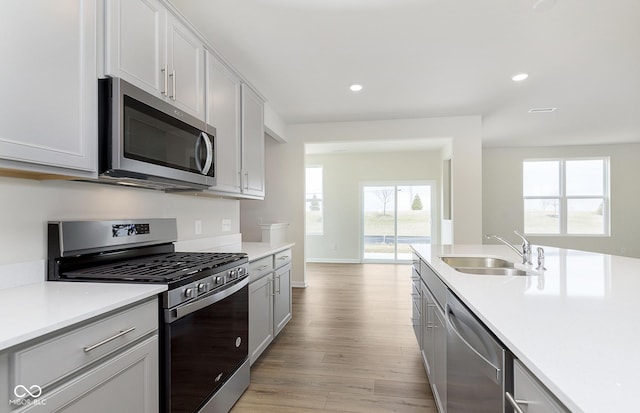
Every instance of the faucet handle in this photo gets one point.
(524, 240)
(540, 266)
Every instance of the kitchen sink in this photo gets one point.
(477, 262)
(484, 266)
(492, 271)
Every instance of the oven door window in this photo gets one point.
(154, 137)
(206, 348)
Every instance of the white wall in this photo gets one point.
(284, 201)
(342, 176)
(27, 205)
(503, 204)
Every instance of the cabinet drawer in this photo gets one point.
(260, 268)
(434, 283)
(531, 395)
(281, 258)
(53, 359)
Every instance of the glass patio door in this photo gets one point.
(394, 217)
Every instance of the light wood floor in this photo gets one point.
(349, 347)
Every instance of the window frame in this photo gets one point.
(563, 198)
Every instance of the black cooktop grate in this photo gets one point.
(158, 268)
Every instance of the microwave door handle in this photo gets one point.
(197, 152)
(209, 146)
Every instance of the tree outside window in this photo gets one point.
(313, 201)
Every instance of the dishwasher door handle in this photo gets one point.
(451, 326)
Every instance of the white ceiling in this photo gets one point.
(429, 58)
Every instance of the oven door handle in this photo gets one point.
(182, 311)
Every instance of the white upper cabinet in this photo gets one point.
(150, 48)
(135, 43)
(49, 88)
(223, 112)
(237, 113)
(252, 143)
(185, 61)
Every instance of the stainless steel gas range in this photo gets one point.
(203, 315)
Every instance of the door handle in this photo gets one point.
(164, 92)
(204, 170)
(451, 326)
(87, 349)
(173, 83)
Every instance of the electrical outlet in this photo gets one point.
(226, 225)
(198, 227)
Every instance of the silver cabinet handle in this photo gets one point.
(515, 403)
(246, 180)
(262, 267)
(273, 287)
(165, 81)
(279, 284)
(173, 84)
(107, 340)
(284, 257)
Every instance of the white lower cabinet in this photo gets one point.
(530, 395)
(260, 316)
(434, 347)
(439, 377)
(4, 382)
(282, 298)
(269, 300)
(125, 383)
(106, 365)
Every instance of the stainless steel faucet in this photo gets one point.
(525, 253)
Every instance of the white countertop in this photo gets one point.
(575, 327)
(257, 250)
(32, 310)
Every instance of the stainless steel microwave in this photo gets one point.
(145, 141)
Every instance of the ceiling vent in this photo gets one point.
(542, 110)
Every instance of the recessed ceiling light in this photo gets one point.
(355, 87)
(542, 110)
(519, 77)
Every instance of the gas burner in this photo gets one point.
(158, 268)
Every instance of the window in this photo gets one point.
(313, 201)
(566, 196)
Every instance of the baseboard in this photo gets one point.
(333, 260)
(299, 284)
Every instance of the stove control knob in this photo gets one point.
(218, 280)
(203, 287)
(241, 271)
(233, 274)
(189, 293)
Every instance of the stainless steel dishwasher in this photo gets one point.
(478, 372)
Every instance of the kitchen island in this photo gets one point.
(573, 326)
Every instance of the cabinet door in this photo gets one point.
(126, 383)
(282, 304)
(5, 395)
(531, 395)
(49, 87)
(135, 43)
(428, 317)
(252, 143)
(260, 316)
(185, 58)
(223, 112)
(439, 380)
